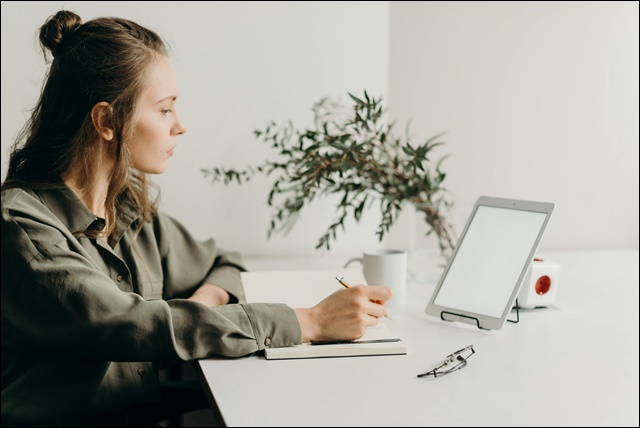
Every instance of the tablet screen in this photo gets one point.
(491, 259)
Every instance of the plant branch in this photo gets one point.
(355, 155)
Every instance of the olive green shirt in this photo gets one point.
(86, 325)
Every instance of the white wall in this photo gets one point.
(539, 101)
(239, 66)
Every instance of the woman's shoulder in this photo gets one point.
(17, 198)
(26, 220)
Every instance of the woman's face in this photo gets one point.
(158, 123)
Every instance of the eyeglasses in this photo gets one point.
(451, 363)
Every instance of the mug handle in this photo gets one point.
(355, 259)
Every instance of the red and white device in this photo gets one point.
(540, 285)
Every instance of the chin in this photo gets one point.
(155, 171)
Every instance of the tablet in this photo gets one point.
(483, 275)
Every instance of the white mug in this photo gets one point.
(386, 267)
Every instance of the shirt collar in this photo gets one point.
(75, 215)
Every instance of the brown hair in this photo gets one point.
(102, 60)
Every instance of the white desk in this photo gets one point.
(572, 365)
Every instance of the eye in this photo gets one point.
(166, 111)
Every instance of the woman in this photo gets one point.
(99, 289)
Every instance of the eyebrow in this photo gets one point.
(170, 97)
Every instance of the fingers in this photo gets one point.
(380, 293)
(373, 299)
(376, 293)
(372, 321)
(376, 310)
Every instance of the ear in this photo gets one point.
(101, 118)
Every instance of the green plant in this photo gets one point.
(352, 153)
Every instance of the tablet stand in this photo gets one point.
(516, 307)
(460, 315)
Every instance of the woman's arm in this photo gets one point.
(189, 264)
(210, 295)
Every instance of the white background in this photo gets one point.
(539, 101)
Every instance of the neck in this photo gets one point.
(92, 190)
(93, 195)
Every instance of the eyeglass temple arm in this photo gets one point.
(433, 371)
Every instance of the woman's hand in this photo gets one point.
(345, 314)
(210, 295)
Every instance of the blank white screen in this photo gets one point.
(489, 261)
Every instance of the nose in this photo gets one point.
(179, 127)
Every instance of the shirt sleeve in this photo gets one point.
(189, 263)
(56, 301)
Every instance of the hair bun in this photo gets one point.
(57, 27)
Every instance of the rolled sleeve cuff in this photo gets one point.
(275, 325)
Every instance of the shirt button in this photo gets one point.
(119, 278)
(141, 371)
(267, 342)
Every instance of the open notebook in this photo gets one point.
(305, 288)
